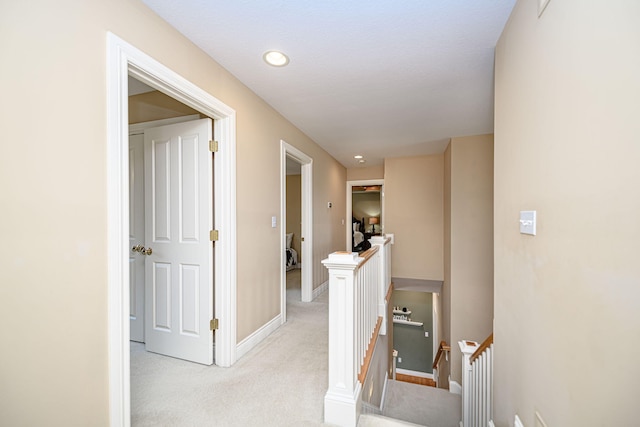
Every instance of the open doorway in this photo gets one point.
(365, 211)
(297, 161)
(414, 332)
(170, 213)
(292, 226)
(124, 60)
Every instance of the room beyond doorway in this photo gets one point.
(295, 158)
(371, 216)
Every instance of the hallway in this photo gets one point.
(281, 382)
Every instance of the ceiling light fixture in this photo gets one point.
(362, 161)
(275, 58)
(357, 157)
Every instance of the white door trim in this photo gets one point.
(349, 224)
(123, 60)
(307, 223)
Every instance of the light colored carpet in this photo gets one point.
(294, 279)
(281, 382)
(427, 406)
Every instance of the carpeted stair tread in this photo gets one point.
(422, 405)
(371, 420)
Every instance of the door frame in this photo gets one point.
(123, 60)
(349, 225)
(306, 184)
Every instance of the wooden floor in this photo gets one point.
(415, 380)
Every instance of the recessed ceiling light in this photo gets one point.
(357, 157)
(275, 58)
(362, 161)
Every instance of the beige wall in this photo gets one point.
(468, 285)
(414, 214)
(567, 301)
(371, 172)
(156, 105)
(294, 210)
(445, 369)
(54, 217)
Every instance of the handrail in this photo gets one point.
(368, 253)
(441, 349)
(485, 345)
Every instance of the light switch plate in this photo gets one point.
(528, 222)
(274, 222)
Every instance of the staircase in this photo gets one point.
(407, 404)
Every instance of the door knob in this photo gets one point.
(147, 251)
(137, 248)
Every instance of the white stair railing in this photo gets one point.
(357, 285)
(477, 383)
(384, 283)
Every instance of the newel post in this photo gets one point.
(342, 401)
(467, 348)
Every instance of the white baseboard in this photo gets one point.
(454, 387)
(384, 391)
(414, 373)
(255, 338)
(319, 290)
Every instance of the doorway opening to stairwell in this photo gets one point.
(415, 330)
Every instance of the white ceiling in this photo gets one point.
(380, 78)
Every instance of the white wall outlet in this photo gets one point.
(389, 236)
(342, 221)
(528, 222)
(274, 222)
(426, 334)
(399, 359)
(329, 205)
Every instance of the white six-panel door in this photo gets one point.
(178, 218)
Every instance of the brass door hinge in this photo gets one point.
(213, 146)
(213, 324)
(213, 235)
